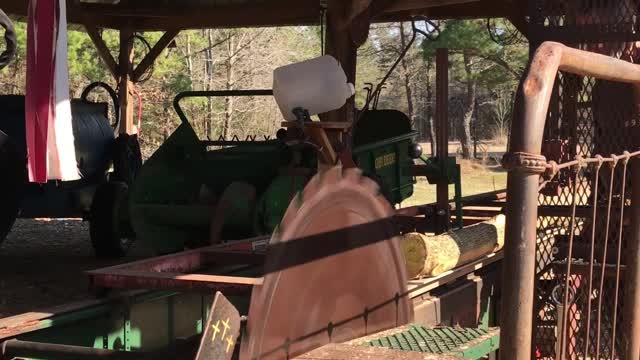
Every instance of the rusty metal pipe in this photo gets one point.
(16, 348)
(519, 266)
(530, 112)
(181, 349)
(630, 313)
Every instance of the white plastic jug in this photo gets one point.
(317, 85)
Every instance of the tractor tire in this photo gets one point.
(109, 236)
(13, 174)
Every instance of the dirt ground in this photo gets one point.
(42, 264)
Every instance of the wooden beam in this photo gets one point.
(340, 45)
(124, 72)
(159, 18)
(520, 23)
(151, 57)
(264, 14)
(319, 137)
(403, 5)
(102, 49)
(481, 9)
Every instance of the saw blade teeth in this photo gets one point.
(370, 185)
(352, 174)
(336, 198)
(331, 176)
(292, 211)
(312, 187)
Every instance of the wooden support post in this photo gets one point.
(153, 54)
(102, 49)
(125, 72)
(443, 223)
(341, 31)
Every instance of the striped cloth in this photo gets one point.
(50, 142)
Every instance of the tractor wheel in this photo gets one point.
(109, 234)
(12, 179)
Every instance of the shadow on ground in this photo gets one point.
(42, 264)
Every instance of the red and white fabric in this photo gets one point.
(50, 142)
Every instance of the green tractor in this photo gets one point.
(194, 192)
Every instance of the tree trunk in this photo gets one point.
(228, 101)
(189, 57)
(429, 108)
(406, 75)
(465, 126)
(208, 83)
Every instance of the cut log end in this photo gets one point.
(432, 255)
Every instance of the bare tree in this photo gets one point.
(406, 73)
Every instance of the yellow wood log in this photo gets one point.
(431, 255)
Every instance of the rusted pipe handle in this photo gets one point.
(526, 165)
(537, 86)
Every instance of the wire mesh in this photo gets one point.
(581, 228)
(580, 283)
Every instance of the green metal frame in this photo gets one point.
(449, 172)
(142, 322)
(388, 163)
(470, 344)
(136, 322)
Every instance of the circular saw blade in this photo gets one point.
(333, 272)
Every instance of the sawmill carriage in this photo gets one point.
(562, 214)
(333, 210)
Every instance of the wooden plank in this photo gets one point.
(403, 5)
(319, 137)
(33, 316)
(354, 352)
(102, 49)
(153, 54)
(422, 286)
(482, 208)
(13, 326)
(213, 279)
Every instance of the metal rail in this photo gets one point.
(14, 348)
(214, 93)
(525, 165)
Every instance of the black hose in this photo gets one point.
(149, 73)
(9, 39)
(112, 93)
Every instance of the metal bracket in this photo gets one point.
(524, 162)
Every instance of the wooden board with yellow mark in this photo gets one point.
(221, 331)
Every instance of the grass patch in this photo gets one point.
(476, 179)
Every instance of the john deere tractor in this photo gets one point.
(193, 192)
